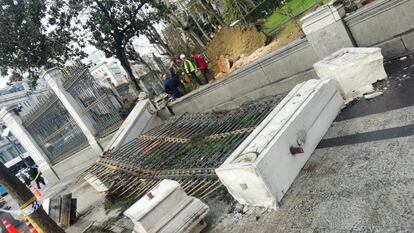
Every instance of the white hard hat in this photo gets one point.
(182, 56)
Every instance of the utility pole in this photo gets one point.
(28, 203)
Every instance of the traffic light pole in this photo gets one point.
(27, 202)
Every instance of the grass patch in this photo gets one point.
(292, 8)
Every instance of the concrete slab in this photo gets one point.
(261, 169)
(393, 48)
(408, 40)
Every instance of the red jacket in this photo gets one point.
(201, 62)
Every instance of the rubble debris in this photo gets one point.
(238, 208)
(373, 95)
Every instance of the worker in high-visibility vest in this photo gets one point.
(190, 68)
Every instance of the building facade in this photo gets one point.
(109, 70)
(20, 95)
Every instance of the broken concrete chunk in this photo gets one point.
(373, 95)
(355, 70)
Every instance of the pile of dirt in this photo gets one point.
(234, 42)
(285, 35)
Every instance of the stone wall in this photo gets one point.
(273, 74)
(388, 24)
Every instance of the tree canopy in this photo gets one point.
(34, 33)
(110, 25)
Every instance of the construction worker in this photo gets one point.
(36, 175)
(202, 66)
(190, 68)
(171, 87)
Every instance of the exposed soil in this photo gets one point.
(284, 36)
(235, 42)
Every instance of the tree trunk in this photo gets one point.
(22, 194)
(121, 55)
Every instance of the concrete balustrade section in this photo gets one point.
(325, 29)
(387, 24)
(142, 118)
(167, 208)
(260, 171)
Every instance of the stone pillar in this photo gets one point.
(53, 78)
(14, 123)
(326, 31)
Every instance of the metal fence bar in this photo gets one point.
(202, 143)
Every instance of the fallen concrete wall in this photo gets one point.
(388, 24)
(273, 74)
(260, 171)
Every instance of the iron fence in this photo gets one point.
(101, 109)
(187, 148)
(53, 128)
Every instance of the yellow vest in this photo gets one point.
(189, 66)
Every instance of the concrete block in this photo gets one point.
(285, 64)
(260, 171)
(140, 119)
(355, 70)
(393, 48)
(167, 208)
(381, 21)
(408, 40)
(330, 39)
(76, 163)
(322, 17)
(325, 29)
